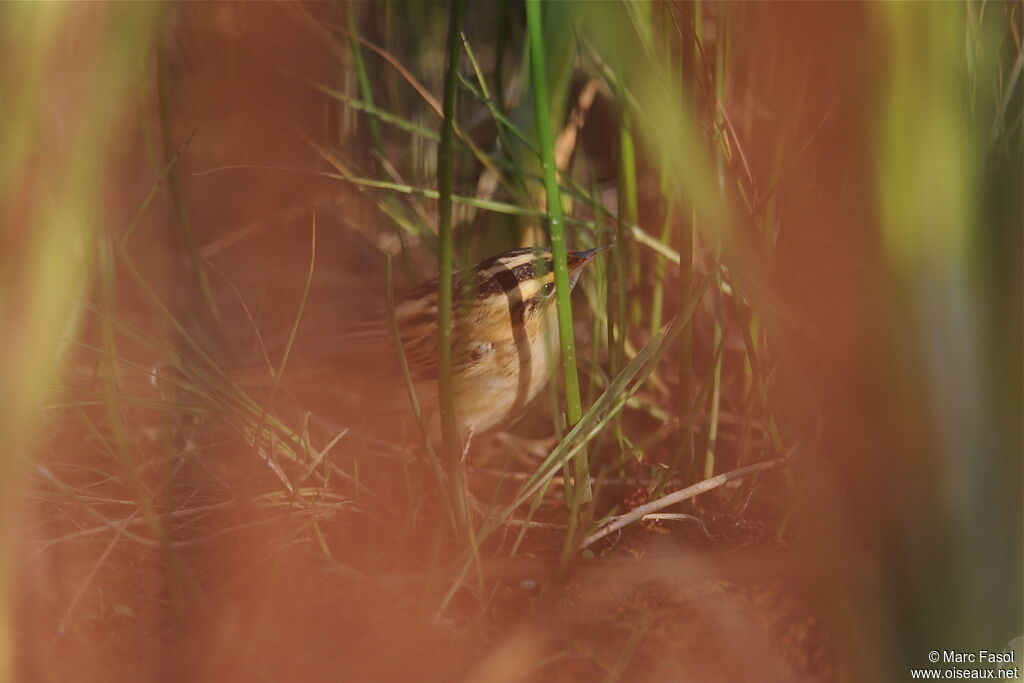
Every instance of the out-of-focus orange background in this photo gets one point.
(855, 173)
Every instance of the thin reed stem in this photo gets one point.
(567, 342)
(365, 89)
(445, 173)
(628, 205)
(178, 196)
(685, 452)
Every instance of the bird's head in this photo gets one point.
(523, 280)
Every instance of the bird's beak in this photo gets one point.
(581, 258)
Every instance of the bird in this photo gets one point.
(504, 348)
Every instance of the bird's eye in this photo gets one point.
(548, 289)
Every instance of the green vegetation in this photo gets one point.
(807, 337)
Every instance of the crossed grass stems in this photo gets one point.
(190, 384)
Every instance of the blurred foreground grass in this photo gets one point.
(68, 75)
(825, 200)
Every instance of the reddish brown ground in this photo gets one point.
(265, 603)
(352, 598)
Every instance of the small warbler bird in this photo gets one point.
(504, 346)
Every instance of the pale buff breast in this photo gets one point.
(505, 375)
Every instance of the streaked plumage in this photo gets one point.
(503, 352)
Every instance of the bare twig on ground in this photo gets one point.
(636, 514)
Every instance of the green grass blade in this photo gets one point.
(445, 173)
(567, 342)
